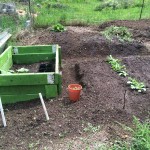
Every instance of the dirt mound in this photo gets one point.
(106, 98)
(84, 41)
(140, 24)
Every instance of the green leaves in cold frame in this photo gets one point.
(117, 66)
(120, 33)
(22, 70)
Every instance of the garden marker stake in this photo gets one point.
(44, 107)
(2, 113)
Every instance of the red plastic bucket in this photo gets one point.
(74, 92)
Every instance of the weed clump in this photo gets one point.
(120, 33)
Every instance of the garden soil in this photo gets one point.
(106, 99)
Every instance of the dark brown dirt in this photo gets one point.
(105, 100)
(88, 42)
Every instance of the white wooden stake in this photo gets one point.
(2, 113)
(44, 107)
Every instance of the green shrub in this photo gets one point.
(121, 33)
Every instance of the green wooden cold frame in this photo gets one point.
(16, 87)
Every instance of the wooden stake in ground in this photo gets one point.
(44, 107)
(142, 9)
(2, 113)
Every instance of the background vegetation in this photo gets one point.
(77, 12)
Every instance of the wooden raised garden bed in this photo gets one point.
(16, 87)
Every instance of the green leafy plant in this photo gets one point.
(58, 28)
(120, 33)
(136, 85)
(117, 66)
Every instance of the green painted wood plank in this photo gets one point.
(24, 79)
(57, 60)
(6, 59)
(59, 85)
(32, 58)
(51, 91)
(34, 49)
(22, 89)
(8, 99)
(60, 56)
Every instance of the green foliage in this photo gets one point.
(117, 66)
(136, 85)
(58, 28)
(52, 12)
(141, 135)
(121, 33)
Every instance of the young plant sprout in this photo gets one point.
(136, 85)
(117, 66)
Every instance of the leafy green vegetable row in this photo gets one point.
(122, 71)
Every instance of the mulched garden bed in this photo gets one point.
(106, 97)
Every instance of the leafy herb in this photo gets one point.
(136, 85)
(117, 66)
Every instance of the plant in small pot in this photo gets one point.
(74, 92)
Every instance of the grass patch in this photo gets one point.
(140, 139)
(84, 11)
(79, 13)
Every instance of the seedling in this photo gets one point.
(91, 128)
(22, 70)
(58, 28)
(120, 33)
(117, 66)
(136, 85)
